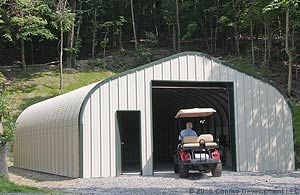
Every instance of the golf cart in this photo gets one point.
(197, 152)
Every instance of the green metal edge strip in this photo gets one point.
(200, 54)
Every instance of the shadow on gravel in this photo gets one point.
(192, 176)
(36, 176)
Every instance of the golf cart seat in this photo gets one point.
(194, 141)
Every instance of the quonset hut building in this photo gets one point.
(126, 122)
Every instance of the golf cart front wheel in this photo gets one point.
(217, 170)
(183, 171)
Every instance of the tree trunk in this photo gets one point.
(154, 11)
(1, 126)
(178, 27)
(120, 39)
(287, 50)
(70, 43)
(236, 37)
(133, 25)
(61, 56)
(174, 37)
(216, 35)
(236, 32)
(94, 33)
(23, 55)
(204, 33)
(3, 161)
(294, 48)
(169, 35)
(216, 29)
(77, 40)
(32, 56)
(252, 43)
(211, 33)
(113, 36)
(269, 31)
(105, 38)
(226, 41)
(265, 46)
(279, 26)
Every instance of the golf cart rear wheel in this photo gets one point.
(217, 170)
(183, 171)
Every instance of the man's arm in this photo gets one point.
(195, 133)
(180, 137)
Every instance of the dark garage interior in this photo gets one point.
(168, 97)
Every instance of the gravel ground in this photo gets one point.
(166, 183)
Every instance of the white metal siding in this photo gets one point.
(263, 119)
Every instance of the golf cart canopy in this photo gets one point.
(195, 112)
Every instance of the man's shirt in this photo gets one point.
(186, 132)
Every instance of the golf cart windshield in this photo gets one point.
(195, 112)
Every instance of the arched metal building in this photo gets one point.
(126, 122)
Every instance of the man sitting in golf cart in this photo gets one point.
(187, 132)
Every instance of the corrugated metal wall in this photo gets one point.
(263, 123)
(47, 135)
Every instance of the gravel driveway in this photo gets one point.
(166, 183)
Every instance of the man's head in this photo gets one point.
(189, 125)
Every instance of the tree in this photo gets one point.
(64, 19)
(169, 13)
(70, 38)
(287, 6)
(119, 23)
(28, 19)
(133, 25)
(97, 9)
(178, 27)
(105, 40)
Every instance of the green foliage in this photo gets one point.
(10, 187)
(97, 62)
(143, 53)
(30, 20)
(168, 11)
(151, 38)
(121, 21)
(63, 20)
(277, 4)
(2, 78)
(8, 135)
(4, 105)
(104, 42)
(191, 30)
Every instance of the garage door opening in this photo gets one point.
(169, 96)
(129, 123)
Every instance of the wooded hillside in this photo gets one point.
(40, 31)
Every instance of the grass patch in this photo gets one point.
(296, 110)
(10, 187)
(30, 88)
